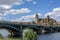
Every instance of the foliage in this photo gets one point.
(29, 34)
(52, 22)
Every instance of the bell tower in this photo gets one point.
(48, 18)
(36, 18)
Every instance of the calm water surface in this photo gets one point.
(52, 36)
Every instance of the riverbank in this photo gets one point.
(10, 38)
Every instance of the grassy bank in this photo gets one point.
(10, 38)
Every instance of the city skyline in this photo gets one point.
(25, 10)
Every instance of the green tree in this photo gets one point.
(29, 34)
(52, 23)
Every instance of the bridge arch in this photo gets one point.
(9, 27)
(13, 31)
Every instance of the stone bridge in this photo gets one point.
(41, 29)
(14, 29)
(17, 29)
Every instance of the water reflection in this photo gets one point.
(52, 36)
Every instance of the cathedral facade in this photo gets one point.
(44, 21)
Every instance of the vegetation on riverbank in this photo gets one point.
(10, 38)
(29, 34)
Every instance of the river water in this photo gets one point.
(51, 36)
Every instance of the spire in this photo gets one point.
(48, 16)
(36, 18)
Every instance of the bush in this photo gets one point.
(29, 34)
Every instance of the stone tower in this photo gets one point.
(48, 18)
(36, 18)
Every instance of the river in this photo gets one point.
(51, 36)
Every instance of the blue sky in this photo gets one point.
(25, 10)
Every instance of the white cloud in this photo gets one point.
(5, 6)
(24, 18)
(17, 3)
(38, 14)
(54, 14)
(27, 18)
(29, 0)
(2, 18)
(34, 2)
(18, 11)
(3, 9)
(56, 9)
(10, 2)
(3, 14)
(14, 11)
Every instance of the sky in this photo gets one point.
(25, 10)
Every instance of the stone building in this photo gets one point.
(44, 21)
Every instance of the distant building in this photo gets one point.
(58, 23)
(44, 21)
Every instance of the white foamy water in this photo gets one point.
(4, 32)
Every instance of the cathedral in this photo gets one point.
(44, 21)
